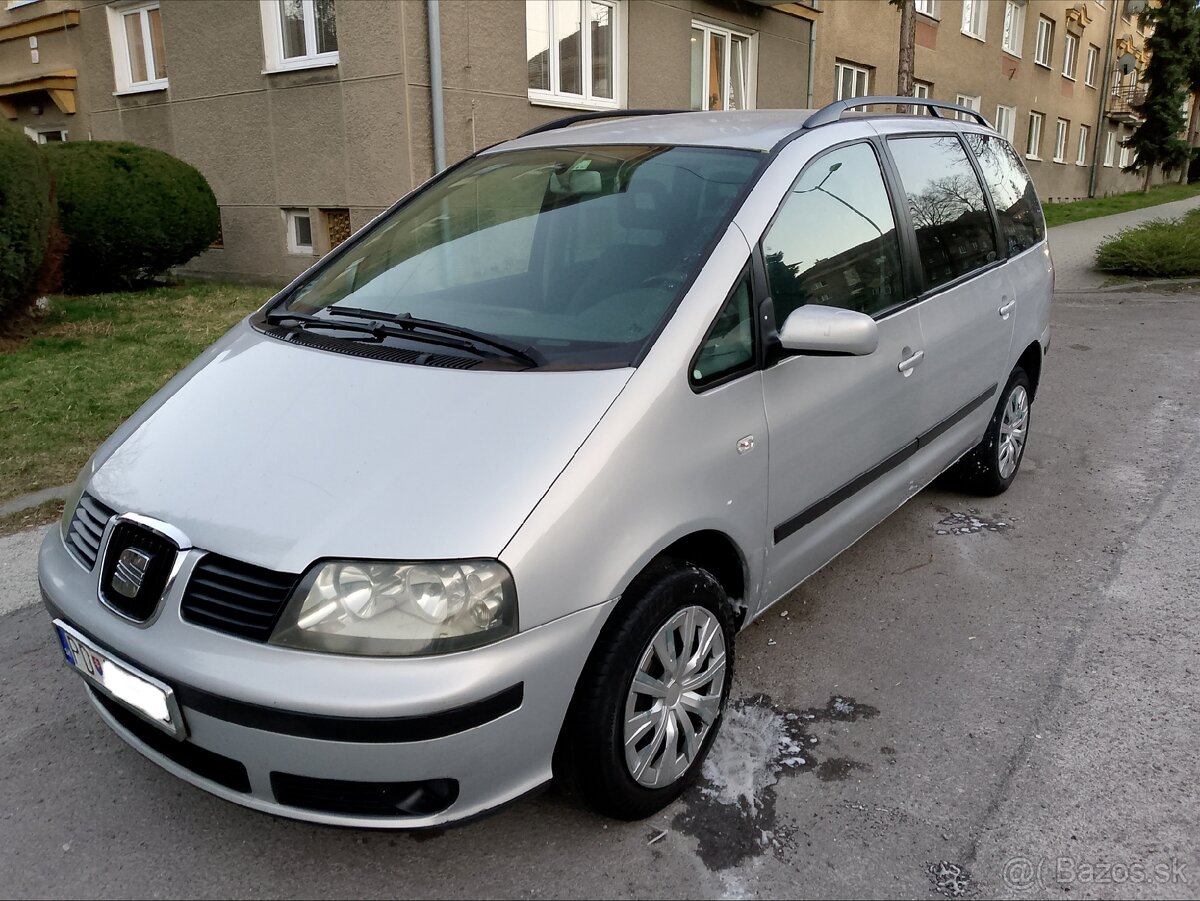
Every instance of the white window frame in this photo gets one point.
(857, 70)
(273, 41)
(289, 221)
(922, 89)
(1110, 144)
(751, 86)
(1011, 116)
(974, 21)
(1062, 131)
(122, 73)
(927, 8)
(1085, 132)
(1126, 150)
(1093, 65)
(38, 135)
(1014, 27)
(1033, 147)
(970, 101)
(1070, 56)
(1043, 48)
(555, 97)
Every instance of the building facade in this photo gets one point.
(309, 117)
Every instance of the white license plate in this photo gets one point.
(144, 695)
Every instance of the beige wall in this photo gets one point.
(866, 32)
(59, 49)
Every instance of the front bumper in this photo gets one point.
(486, 720)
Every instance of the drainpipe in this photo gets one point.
(1105, 87)
(812, 60)
(435, 86)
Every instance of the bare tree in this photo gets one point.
(908, 47)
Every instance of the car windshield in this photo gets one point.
(575, 254)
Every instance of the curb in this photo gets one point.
(34, 499)
(1161, 285)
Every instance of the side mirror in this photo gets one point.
(829, 330)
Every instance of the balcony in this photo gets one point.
(1123, 105)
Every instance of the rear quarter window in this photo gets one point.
(1021, 222)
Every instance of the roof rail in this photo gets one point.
(602, 114)
(833, 112)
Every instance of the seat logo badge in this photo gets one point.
(745, 445)
(130, 572)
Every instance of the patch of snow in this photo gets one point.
(744, 759)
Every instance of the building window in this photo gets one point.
(1045, 39)
(1093, 61)
(720, 68)
(1061, 127)
(926, 7)
(922, 89)
(1014, 26)
(1116, 81)
(1110, 143)
(1006, 120)
(1081, 151)
(970, 102)
(1070, 56)
(299, 231)
(571, 49)
(1125, 154)
(851, 81)
(139, 58)
(299, 34)
(974, 23)
(1034, 144)
(46, 136)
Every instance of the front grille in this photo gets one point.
(379, 799)
(206, 764)
(149, 582)
(235, 597)
(87, 526)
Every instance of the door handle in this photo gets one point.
(908, 364)
(1006, 309)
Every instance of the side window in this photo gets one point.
(949, 213)
(1021, 222)
(729, 345)
(834, 241)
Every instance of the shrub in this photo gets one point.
(26, 214)
(1161, 248)
(129, 213)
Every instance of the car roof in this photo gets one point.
(759, 130)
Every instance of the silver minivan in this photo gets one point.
(484, 497)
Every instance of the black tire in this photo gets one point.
(590, 757)
(979, 472)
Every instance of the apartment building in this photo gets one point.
(309, 117)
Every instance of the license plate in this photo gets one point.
(144, 695)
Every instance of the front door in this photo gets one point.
(841, 428)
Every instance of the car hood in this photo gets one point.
(278, 454)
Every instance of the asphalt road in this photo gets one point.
(1004, 689)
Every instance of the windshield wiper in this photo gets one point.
(282, 317)
(410, 323)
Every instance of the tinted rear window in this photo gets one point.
(1021, 222)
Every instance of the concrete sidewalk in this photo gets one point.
(1073, 246)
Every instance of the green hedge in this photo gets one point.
(129, 213)
(1161, 248)
(26, 215)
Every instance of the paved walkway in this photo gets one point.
(1074, 246)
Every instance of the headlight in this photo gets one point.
(400, 609)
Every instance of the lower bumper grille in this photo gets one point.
(206, 764)
(381, 799)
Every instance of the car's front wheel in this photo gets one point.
(651, 697)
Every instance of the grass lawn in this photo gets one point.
(1161, 248)
(1078, 210)
(93, 361)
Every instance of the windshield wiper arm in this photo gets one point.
(409, 323)
(281, 317)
